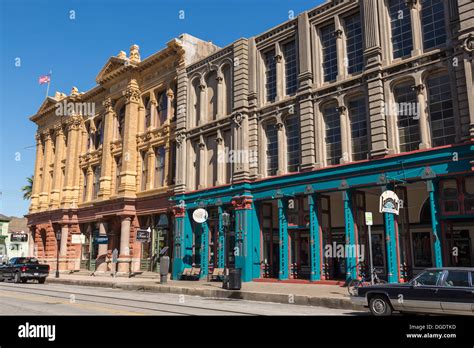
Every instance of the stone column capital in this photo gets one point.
(418, 88)
(341, 109)
(338, 33)
(132, 93)
(108, 104)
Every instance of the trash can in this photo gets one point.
(234, 281)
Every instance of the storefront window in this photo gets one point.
(449, 196)
(469, 194)
(421, 243)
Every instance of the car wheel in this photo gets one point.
(41, 281)
(380, 306)
(17, 278)
(24, 281)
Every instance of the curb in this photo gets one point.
(327, 302)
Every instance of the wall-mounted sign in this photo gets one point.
(200, 215)
(78, 239)
(143, 235)
(102, 240)
(18, 237)
(389, 202)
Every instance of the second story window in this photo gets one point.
(292, 127)
(332, 123)
(443, 131)
(96, 182)
(354, 44)
(272, 149)
(358, 121)
(99, 134)
(84, 185)
(328, 44)
(407, 120)
(270, 75)
(144, 171)
(159, 167)
(118, 169)
(400, 23)
(291, 67)
(433, 23)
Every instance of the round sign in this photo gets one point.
(200, 215)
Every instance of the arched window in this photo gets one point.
(443, 131)
(162, 107)
(195, 103)
(99, 134)
(271, 132)
(400, 23)
(359, 133)
(407, 117)
(292, 127)
(211, 82)
(226, 72)
(332, 138)
(159, 167)
(147, 104)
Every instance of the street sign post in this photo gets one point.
(369, 221)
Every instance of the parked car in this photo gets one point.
(447, 290)
(22, 269)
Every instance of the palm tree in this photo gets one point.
(27, 189)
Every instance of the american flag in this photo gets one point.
(44, 79)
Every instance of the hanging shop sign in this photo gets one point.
(200, 215)
(102, 240)
(78, 239)
(143, 235)
(389, 202)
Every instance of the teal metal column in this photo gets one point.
(243, 235)
(435, 223)
(221, 240)
(315, 240)
(283, 231)
(204, 249)
(391, 244)
(350, 247)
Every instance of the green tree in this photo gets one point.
(27, 189)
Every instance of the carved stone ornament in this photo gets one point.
(338, 33)
(238, 118)
(135, 54)
(341, 109)
(418, 88)
(180, 138)
(468, 44)
(107, 103)
(132, 94)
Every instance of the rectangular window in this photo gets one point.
(211, 160)
(96, 181)
(332, 123)
(407, 117)
(292, 127)
(400, 23)
(162, 108)
(272, 149)
(328, 44)
(443, 131)
(354, 44)
(160, 157)
(291, 67)
(358, 120)
(270, 75)
(144, 171)
(433, 24)
(173, 162)
(118, 169)
(84, 186)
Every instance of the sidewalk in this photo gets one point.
(330, 296)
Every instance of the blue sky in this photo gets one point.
(42, 35)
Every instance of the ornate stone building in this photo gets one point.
(296, 132)
(105, 162)
(286, 138)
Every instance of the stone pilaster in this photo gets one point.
(107, 160)
(124, 253)
(72, 162)
(377, 121)
(37, 175)
(128, 176)
(57, 172)
(46, 183)
(373, 50)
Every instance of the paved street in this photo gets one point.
(58, 299)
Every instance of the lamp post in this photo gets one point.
(58, 239)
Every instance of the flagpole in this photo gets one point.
(49, 81)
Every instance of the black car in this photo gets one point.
(447, 290)
(22, 269)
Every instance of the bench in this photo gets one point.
(217, 274)
(191, 273)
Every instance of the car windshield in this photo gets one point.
(26, 260)
(428, 278)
